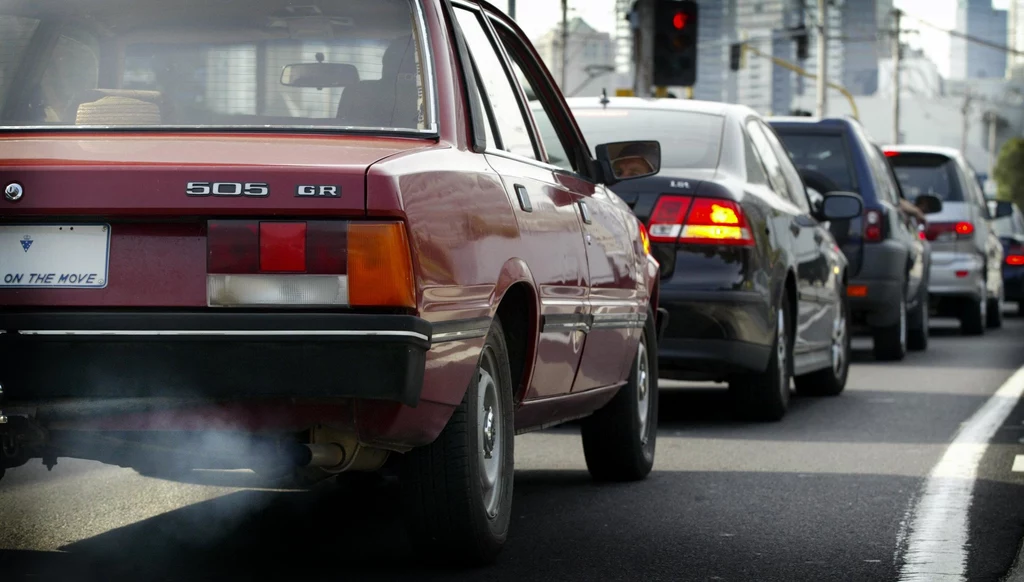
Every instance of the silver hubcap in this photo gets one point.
(839, 342)
(643, 391)
(782, 353)
(489, 435)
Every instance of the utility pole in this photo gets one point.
(896, 76)
(512, 9)
(565, 42)
(822, 57)
(993, 121)
(645, 64)
(966, 110)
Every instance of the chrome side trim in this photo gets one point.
(221, 332)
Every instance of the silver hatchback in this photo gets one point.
(966, 272)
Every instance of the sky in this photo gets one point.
(538, 16)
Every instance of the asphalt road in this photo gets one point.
(829, 493)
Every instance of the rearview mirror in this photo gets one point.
(841, 206)
(928, 204)
(1001, 209)
(319, 75)
(629, 159)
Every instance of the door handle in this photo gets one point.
(524, 198)
(585, 212)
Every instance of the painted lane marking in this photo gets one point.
(1018, 464)
(937, 548)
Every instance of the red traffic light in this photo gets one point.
(679, 20)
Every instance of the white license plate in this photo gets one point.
(54, 256)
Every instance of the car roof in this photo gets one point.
(662, 104)
(796, 120)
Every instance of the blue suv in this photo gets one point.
(889, 257)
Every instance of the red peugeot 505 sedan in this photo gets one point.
(328, 232)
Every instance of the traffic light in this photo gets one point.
(735, 56)
(675, 43)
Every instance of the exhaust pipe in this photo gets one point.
(324, 456)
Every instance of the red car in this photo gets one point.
(323, 235)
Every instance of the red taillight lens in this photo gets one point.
(1015, 260)
(714, 221)
(699, 221)
(233, 246)
(890, 153)
(667, 218)
(283, 247)
(872, 226)
(645, 240)
(327, 247)
(949, 231)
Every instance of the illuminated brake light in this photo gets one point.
(949, 231)
(666, 220)
(890, 153)
(714, 221)
(1015, 260)
(310, 263)
(964, 228)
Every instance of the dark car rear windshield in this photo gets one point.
(927, 174)
(195, 64)
(825, 153)
(688, 140)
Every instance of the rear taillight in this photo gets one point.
(1015, 260)
(699, 221)
(949, 231)
(873, 226)
(308, 264)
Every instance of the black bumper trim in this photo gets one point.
(213, 356)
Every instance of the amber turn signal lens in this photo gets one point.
(379, 265)
(857, 290)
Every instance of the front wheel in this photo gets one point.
(619, 439)
(917, 334)
(973, 315)
(457, 491)
(891, 341)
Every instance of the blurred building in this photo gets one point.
(590, 56)
(866, 39)
(970, 60)
(1015, 37)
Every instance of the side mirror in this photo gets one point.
(628, 159)
(1002, 208)
(319, 75)
(841, 206)
(928, 204)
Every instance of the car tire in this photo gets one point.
(919, 324)
(831, 381)
(973, 315)
(764, 397)
(457, 491)
(891, 341)
(619, 439)
(994, 317)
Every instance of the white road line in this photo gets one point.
(937, 548)
(1018, 464)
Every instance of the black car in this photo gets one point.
(754, 285)
(1009, 227)
(886, 248)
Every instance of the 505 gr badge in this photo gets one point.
(255, 189)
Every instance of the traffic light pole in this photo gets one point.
(896, 76)
(565, 44)
(645, 58)
(822, 104)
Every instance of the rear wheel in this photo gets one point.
(832, 380)
(973, 315)
(765, 396)
(891, 341)
(457, 491)
(619, 439)
(917, 334)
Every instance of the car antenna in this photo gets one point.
(604, 98)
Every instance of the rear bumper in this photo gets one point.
(212, 357)
(945, 282)
(710, 334)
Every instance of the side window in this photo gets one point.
(797, 191)
(755, 171)
(771, 162)
(883, 178)
(557, 154)
(513, 129)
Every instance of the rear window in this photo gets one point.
(186, 64)
(927, 174)
(825, 153)
(688, 140)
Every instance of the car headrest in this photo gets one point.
(399, 59)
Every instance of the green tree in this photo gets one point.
(1009, 172)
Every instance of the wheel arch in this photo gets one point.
(516, 302)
